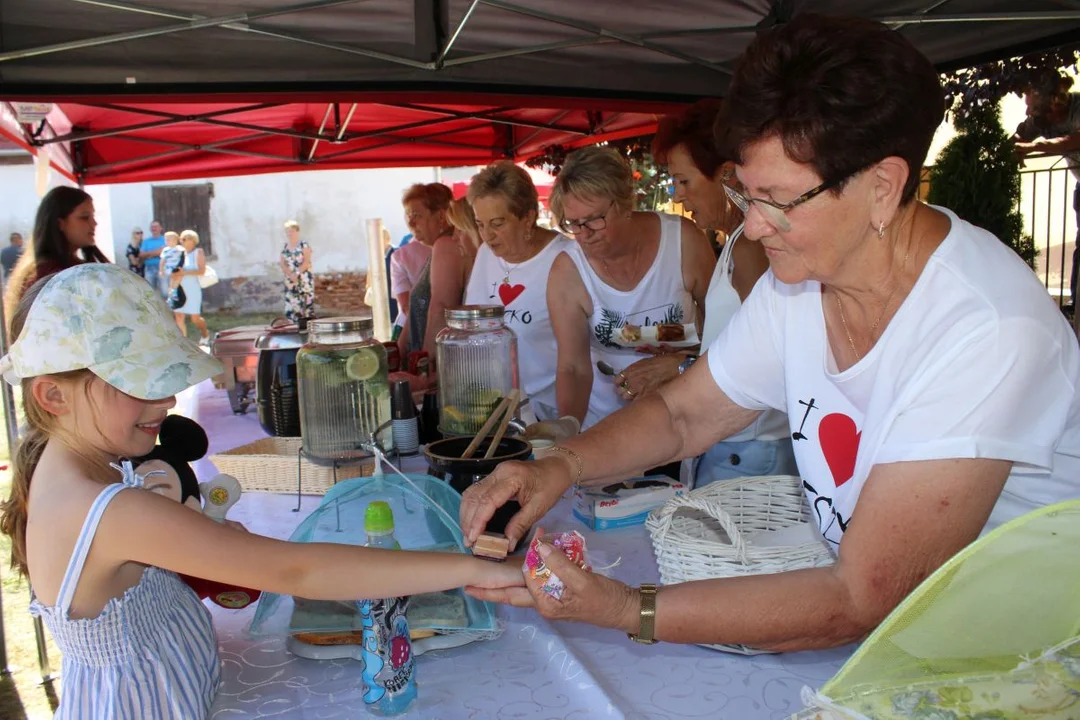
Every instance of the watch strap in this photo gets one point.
(647, 628)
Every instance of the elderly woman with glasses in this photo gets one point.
(625, 268)
(930, 382)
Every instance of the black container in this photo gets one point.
(444, 459)
(275, 381)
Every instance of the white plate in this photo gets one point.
(648, 338)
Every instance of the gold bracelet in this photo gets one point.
(573, 456)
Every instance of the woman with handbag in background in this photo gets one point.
(188, 279)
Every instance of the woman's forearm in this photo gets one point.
(572, 390)
(640, 435)
(798, 610)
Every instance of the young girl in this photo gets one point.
(100, 362)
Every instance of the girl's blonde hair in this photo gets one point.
(172, 234)
(41, 426)
(461, 217)
(594, 173)
(189, 235)
(292, 225)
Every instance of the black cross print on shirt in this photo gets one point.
(798, 434)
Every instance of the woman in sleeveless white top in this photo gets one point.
(659, 297)
(512, 268)
(626, 267)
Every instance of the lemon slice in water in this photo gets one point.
(363, 365)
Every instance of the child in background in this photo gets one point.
(172, 256)
(99, 361)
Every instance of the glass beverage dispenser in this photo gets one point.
(478, 365)
(344, 390)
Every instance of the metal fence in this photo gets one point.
(1046, 202)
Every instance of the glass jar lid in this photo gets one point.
(345, 324)
(475, 312)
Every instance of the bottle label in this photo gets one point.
(389, 665)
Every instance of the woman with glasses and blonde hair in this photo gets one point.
(930, 381)
(512, 270)
(625, 268)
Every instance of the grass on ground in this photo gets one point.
(22, 694)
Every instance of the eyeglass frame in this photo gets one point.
(583, 224)
(743, 202)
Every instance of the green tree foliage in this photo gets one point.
(969, 89)
(977, 176)
(650, 180)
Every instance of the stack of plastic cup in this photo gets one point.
(403, 414)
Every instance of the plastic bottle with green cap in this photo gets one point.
(379, 526)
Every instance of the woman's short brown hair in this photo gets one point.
(693, 128)
(840, 93)
(508, 181)
(594, 172)
(434, 196)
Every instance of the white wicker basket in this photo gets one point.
(708, 533)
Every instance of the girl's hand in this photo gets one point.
(645, 375)
(504, 577)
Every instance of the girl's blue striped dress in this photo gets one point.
(151, 653)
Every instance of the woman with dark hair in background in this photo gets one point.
(63, 236)
(929, 379)
(700, 169)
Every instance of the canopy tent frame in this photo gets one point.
(242, 22)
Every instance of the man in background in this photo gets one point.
(150, 254)
(1052, 127)
(11, 254)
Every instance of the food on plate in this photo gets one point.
(670, 332)
(631, 333)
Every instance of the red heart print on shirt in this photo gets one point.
(840, 444)
(509, 293)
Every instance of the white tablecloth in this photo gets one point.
(535, 670)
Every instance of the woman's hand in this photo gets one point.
(587, 597)
(537, 485)
(648, 374)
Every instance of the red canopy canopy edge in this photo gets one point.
(115, 139)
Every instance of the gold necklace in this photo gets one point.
(888, 300)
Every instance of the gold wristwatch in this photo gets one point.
(647, 629)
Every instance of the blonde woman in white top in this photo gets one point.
(625, 267)
(512, 268)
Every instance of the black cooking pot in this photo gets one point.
(444, 459)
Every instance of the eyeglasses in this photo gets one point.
(774, 213)
(595, 223)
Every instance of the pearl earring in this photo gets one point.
(881, 230)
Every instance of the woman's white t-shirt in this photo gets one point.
(978, 362)
(522, 289)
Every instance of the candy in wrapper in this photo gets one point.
(572, 544)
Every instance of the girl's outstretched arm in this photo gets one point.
(144, 527)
